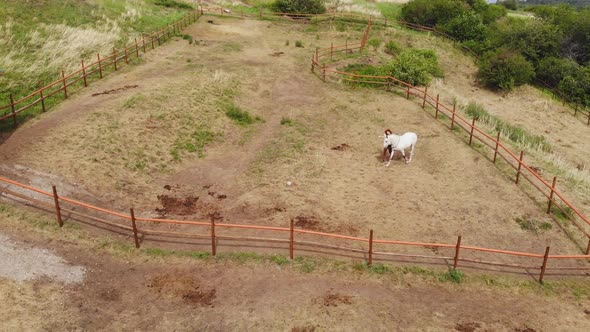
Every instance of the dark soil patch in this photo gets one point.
(467, 327)
(106, 92)
(177, 206)
(341, 147)
(277, 53)
(307, 222)
(526, 329)
(334, 299)
(182, 286)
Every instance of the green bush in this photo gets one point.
(415, 66)
(577, 86)
(505, 69)
(173, 4)
(433, 12)
(242, 118)
(300, 6)
(552, 70)
(392, 48)
(298, 43)
(467, 26)
(510, 4)
(492, 13)
(375, 42)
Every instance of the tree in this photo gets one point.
(467, 26)
(433, 12)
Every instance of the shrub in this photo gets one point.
(415, 66)
(467, 26)
(433, 12)
(534, 39)
(505, 69)
(577, 86)
(510, 4)
(298, 43)
(453, 275)
(300, 6)
(392, 48)
(173, 4)
(492, 13)
(552, 70)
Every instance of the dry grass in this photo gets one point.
(145, 134)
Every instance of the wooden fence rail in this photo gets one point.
(500, 149)
(135, 228)
(87, 70)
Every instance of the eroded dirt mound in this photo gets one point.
(184, 287)
(177, 206)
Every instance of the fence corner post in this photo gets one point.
(57, 208)
(551, 195)
(544, 266)
(370, 248)
(134, 228)
(291, 240)
(457, 248)
(213, 245)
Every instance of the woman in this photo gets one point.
(387, 145)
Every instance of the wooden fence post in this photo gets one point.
(519, 167)
(544, 266)
(496, 149)
(115, 58)
(370, 248)
(436, 109)
(152, 40)
(99, 65)
(551, 195)
(453, 116)
(213, 246)
(471, 132)
(408, 92)
(42, 97)
(588, 248)
(424, 99)
(57, 208)
(134, 228)
(84, 73)
(291, 241)
(143, 42)
(588, 118)
(457, 248)
(136, 48)
(126, 58)
(12, 110)
(576, 110)
(331, 50)
(324, 73)
(63, 79)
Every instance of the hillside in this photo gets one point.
(39, 38)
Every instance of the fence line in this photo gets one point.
(114, 59)
(135, 227)
(513, 160)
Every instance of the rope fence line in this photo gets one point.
(515, 161)
(98, 67)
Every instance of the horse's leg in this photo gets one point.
(390, 157)
(404, 155)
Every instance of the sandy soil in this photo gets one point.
(448, 190)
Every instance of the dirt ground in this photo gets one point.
(131, 290)
(112, 149)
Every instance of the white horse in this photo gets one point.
(400, 143)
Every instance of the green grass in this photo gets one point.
(298, 43)
(514, 133)
(193, 143)
(454, 276)
(391, 11)
(532, 225)
(239, 116)
(286, 121)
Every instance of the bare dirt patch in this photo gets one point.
(467, 327)
(341, 147)
(332, 299)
